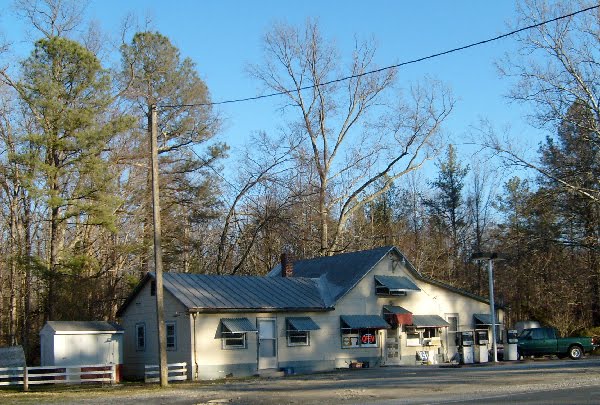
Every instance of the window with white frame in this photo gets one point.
(233, 340)
(140, 337)
(234, 333)
(298, 338)
(171, 328)
(424, 336)
(359, 338)
(298, 330)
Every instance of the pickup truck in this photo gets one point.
(544, 341)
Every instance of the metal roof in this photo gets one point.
(484, 319)
(67, 327)
(364, 322)
(394, 309)
(340, 272)
(316, 285)
(303, 323)
(12, 356)
(238, 325)
(431, 321)
(201, 292)
(395, 283)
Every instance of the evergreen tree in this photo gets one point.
(67, 93)
(153, 72)
(447, 209)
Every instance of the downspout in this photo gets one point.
(195, 355)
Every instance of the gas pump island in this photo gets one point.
(510, 351)
(465, 345)
(481, 348)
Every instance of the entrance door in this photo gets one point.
(392, 347)
(451, 335)
(267, 344)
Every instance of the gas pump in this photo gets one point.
(466, 346)
(510, 351)
(481, 349)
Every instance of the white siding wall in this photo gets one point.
(81, 348)
(143, 310)
(211, 361)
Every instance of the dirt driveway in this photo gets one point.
(425, 384)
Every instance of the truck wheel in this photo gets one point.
(575, 352)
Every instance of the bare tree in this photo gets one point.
(52, 18)
(557, 66)
(260, 170)
(359, 142)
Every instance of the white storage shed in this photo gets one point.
(76, 343)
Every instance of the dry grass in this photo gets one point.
(76, 393)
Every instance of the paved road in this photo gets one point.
(529, 382)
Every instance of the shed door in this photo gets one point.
(267, 344)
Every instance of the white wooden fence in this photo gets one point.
(176, 372)
(93, 373)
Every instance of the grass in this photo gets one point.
(59, 393)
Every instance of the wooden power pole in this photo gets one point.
(158, 264)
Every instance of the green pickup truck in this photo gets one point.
(544, 341)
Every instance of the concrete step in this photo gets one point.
(270, 373)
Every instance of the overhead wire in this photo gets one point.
(413, 61)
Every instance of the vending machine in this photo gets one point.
(510, 352)
(481, 346)
(466, 346)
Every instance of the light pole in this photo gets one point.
(490, 257)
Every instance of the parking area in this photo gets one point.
(538, 379)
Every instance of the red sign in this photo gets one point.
(367, 338)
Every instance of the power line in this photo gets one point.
(435, 55)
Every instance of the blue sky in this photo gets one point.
(224, 36)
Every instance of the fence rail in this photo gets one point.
(176, 372)
(93, 373)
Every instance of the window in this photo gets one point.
(298, 330)
(298, 338)
(140, 337)
(233, 340)
(359, 338)
(153, 288)
(171, 335)
(361, 330)
(413, 337)
(234, 332)
(426, 336)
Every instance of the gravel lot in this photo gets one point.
(424, 384)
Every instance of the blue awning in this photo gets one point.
(484, 319)
(429, 321)
(394, 283)
(302, 324)
(238, 325)
(363, 322)
(394, 309)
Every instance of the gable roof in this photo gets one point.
(215, 293)
(344, 271)
(316, 285)
(340, 272)
(79, 327)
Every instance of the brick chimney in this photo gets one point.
(287, 265)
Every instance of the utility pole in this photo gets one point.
(158, 264)
(490, 257)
